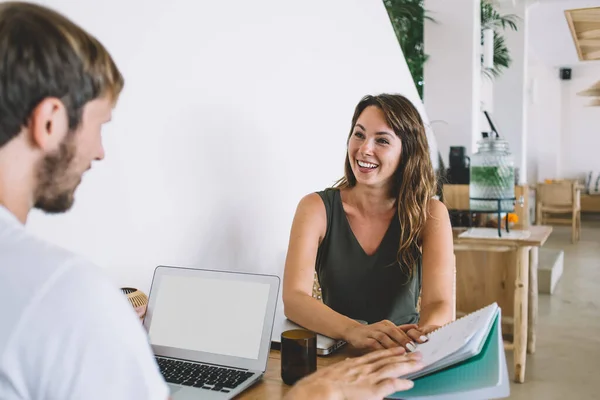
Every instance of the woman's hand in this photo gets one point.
(381, 335)
(372, 376)
(418, 333)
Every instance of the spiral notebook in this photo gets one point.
(463, 360)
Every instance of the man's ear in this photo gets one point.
(48, 124)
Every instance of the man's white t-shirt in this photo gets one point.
(66, 331)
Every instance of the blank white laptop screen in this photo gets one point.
(204, 314)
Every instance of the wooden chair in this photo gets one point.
(316, 292)
(563, 198)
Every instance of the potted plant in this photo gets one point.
(492, 19)
(408, 19)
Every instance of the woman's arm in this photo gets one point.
(308, 229)
(437, 293)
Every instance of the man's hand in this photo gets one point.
(372, 376)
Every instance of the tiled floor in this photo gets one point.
(566, 364)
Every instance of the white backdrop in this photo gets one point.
(232, 111)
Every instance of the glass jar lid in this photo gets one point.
(492, 145)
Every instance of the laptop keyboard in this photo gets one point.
(205, 376)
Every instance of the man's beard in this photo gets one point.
(56, 183)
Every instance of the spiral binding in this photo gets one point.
(430, 334)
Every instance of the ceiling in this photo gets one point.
(584, 24)
(551, 40)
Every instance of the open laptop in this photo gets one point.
(325, 344)
(210, 330)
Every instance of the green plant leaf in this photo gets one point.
(502, 59)
(407, 18)
(492, 19)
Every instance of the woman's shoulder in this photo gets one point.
(312, 213)
(327, 195)
(318, 201)
(436, 208)
(312, 203)
(320, 205)
(438, 219)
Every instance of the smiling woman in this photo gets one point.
(377, 239)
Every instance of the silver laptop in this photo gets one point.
(325, 344)
(210, 330)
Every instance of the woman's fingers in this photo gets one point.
(428, 329)
(407, 327)
(417, 335)
(374, 344)
(399, 336)
(383, 338)
(385, 334)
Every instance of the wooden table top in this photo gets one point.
(272, 387)
(539, 235)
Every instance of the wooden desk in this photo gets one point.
(272, 387)
(484, 266)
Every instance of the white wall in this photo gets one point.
(232, 111)
(452, 73)
(562, 130)
(580, 128)
(544, 122)
(510, 104)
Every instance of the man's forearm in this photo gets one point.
(312, 390)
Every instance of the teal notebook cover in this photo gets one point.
(478, 372)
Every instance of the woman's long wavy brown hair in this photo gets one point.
(414, 181)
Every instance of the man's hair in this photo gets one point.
(44, 54)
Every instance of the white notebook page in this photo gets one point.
(451, 338)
